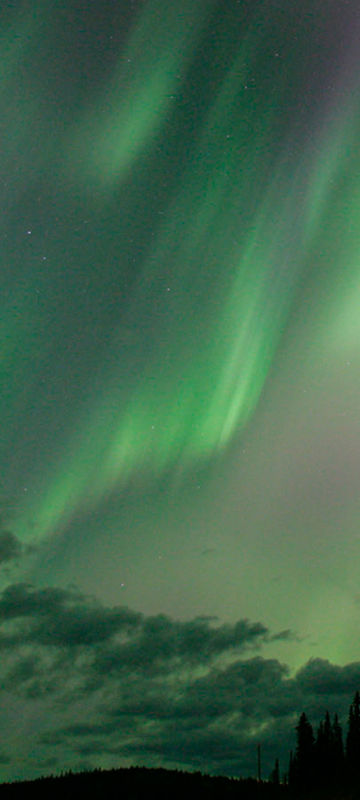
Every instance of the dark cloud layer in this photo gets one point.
(116, 686)
(10, 547)
(321, 677)
(60, 617)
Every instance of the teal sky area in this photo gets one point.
(180, 379)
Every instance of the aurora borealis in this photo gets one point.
(180, 356)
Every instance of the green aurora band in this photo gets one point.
(221, 270)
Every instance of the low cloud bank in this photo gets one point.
(84, 686)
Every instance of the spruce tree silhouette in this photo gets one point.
(329, 753)
(322, 766)
(337, 753)
(323, 752)
(303, 766)
(353, 742)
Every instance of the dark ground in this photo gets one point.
(137, 783)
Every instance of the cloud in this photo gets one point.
(321, 677)
(161, 641)
(114, 684)
(236, 687)
(55, 639)
(64, 618)
(110, 681)
(211, 722)
(10, 547)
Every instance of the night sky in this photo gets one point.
(180, 379)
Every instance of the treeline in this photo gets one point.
(140, 783)
(324, 763)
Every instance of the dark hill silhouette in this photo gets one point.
(138, 783)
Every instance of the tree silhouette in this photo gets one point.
(275, 773)
(329, 754)
(303, 765)
(353, 740)
(337, 752)
(292, 770)
(321, 765)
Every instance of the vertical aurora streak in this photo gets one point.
(224, 258)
